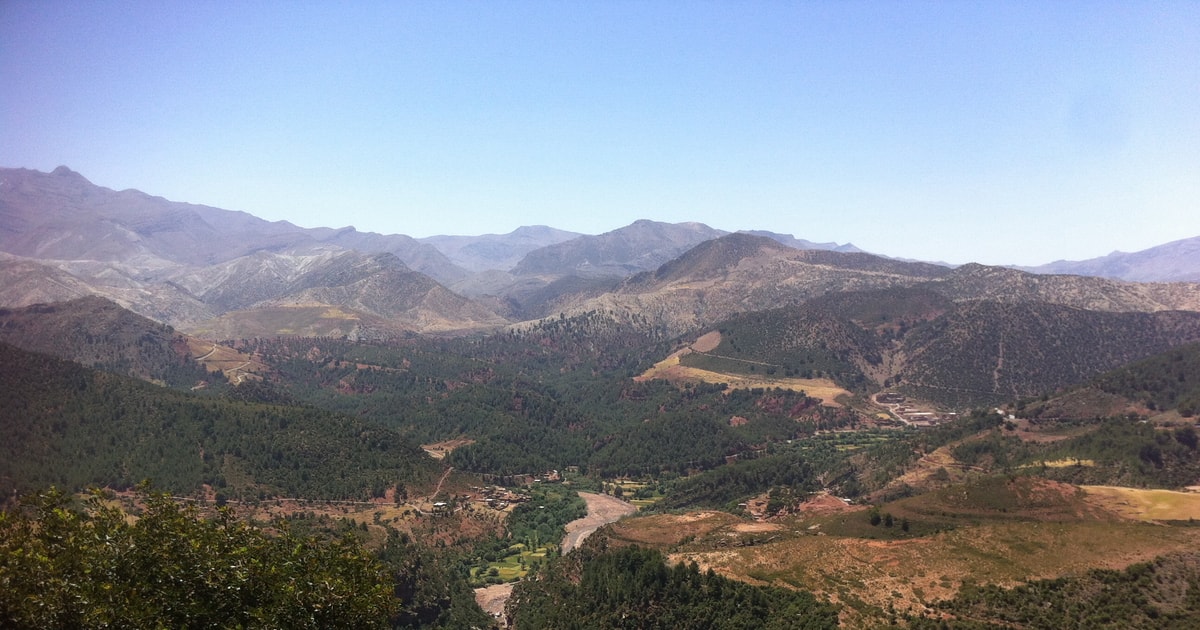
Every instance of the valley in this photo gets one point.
(666, 417)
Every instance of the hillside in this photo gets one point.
(1166, 382)
(98, 333)
(981, 282)
(958, 353)
(743, 273)
(187, 265)
(641, 246)
(74, 427)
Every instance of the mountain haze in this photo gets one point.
(497, 251)
(1177, 261)
(184, 264)
(641, 246)
(231, 275)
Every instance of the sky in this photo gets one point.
(956, 131)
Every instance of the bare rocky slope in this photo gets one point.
(740, 273)
(229, 274)
(63, 238)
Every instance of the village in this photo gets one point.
(909, 414)
(497, 497)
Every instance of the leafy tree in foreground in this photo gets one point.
(62, 568)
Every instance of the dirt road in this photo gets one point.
(602, 510)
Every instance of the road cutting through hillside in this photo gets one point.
(601, 510)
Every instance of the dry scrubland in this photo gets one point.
(1003, 532)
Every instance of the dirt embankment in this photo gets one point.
(493, 598)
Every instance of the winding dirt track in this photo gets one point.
(601, 510)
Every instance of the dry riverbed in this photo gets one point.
(601, 510)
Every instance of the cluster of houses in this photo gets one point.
(498, 497)
(909, 414)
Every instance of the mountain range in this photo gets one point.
(226, 274)
(1177, 261)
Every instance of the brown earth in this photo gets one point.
(237, 366)
(439, 450)
(665, 530)
(669, 369)
(909, 574)
(707, 342)
(493, 598)
(1146, 505)
(823, 503)
(1002, 532)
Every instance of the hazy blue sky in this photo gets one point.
(998, 132)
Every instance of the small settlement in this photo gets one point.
(909, 414)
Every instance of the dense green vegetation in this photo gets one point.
(1170, 380)
(73, 427)
(725, 486)
(848, 465)
(62, 568)
(792, 342)
(431, 587)
(544, 399)
(1119, 451)
(1164, 593)
(963, 354)
(543, 518)
(634, 588)
(534, 528)
(337, 419)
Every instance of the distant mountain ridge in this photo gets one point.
(185, 264)
(640, 246)
(63, 216)
(497, 251)
(1177, 261)
(229, 275)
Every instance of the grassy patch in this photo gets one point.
(1149, 505)
(511, 568)
(640, 493)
